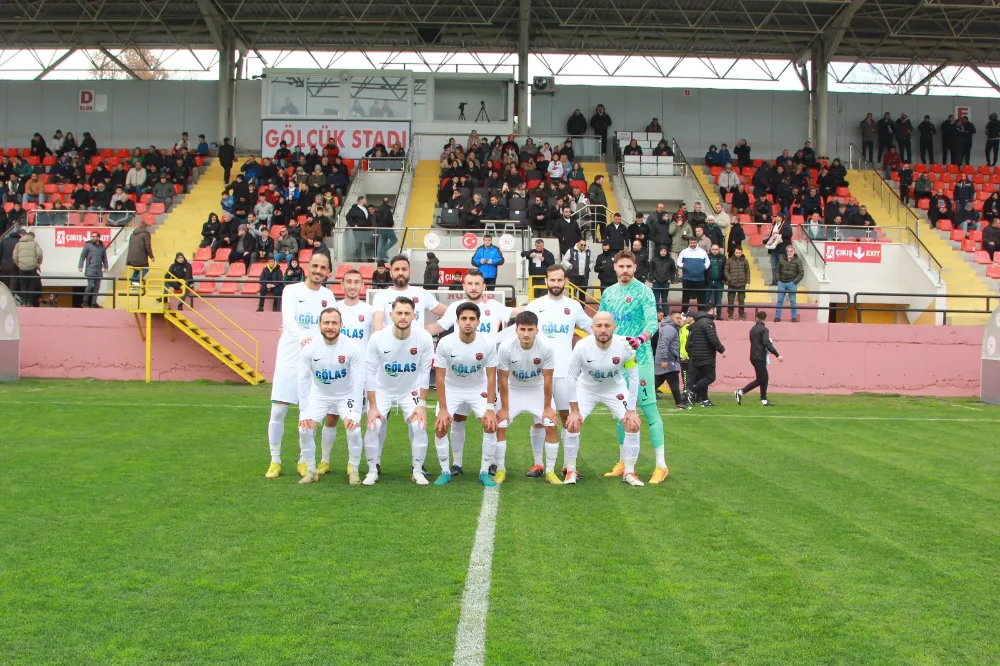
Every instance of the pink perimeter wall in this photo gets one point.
(820, 358)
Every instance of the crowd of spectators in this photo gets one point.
(956, 138)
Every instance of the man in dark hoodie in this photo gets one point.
(577, 124)
(604, 266)
(760, 347)
(702, 345)
(601, 122)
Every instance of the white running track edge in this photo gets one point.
(470, 639)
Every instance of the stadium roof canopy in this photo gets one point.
(941, 31)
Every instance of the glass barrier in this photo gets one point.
(81, 218)
(384, 164)
(583, 146)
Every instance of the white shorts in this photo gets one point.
(319, 406)
(530, 400)
(407, 403)
(616, 402)
(464, 402)
(285, 386)
(561, 391)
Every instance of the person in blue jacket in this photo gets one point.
(486, 259)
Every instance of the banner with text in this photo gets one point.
(78, 236)
(854, 253)
(353, 137)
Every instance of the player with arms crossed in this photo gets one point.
(558, 318)
(301, 305)
(598, 370)
(399, 366)
(525, 366)
(466, 366)
(337, 368)
(633, 307)
(423, 300)
(356, 325)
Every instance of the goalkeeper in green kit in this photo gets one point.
(633, 306)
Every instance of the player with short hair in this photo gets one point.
(558, 318)
(525, 365)
(466, 364)
(337, 370)
(356, 325)
(423, 300)
(633, 306)
(301, 305)
(399, 366)
(598, 369)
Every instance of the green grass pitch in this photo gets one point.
(136, 527)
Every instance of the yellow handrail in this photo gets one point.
(158, 286)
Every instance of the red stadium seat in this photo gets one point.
(945, 225)
(920, 167)
(148, 218)
(976, 235)
(197, 268)
(957, 235)
(337, 289)
(215, 269)
(255, 270)
(205, 287)
(251, 288)
(222, 254)
(744, 219)
(157, 208)
(367, 272)
(982, 257)
(237, 270)
(951, 168)
(202, 254)
(229, 287)
(968, 245)
(140, 207)
(51, 189)
(342, 271)
(582, 184)
(305, 255)
(91, 219)
(843, 192)
(275, 230)
(993, 271)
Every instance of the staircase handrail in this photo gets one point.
(887, 194)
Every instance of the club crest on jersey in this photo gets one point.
(416, 300)
(628, 299)
(483, 394)
(487, 313)
(414, 393)
(565, 310)
(615, 360)
(361, 317)
(413, 350)
(323, 303)
(642, 382)
(538, 361)
(341, 359)
(479, 356)
(620, 396)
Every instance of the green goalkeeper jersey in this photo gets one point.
(634, 309)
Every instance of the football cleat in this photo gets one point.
(707, 403)
(739, 396)
(370, 478)
(660, 475)
(418, 478)
(302, 469)
(443, 479)
(571, 477)
(632, 480)
(535, 472)
(310, 477)
(553, 479)
(617, 470)
(492, 470)
(579, 475)
(353, 477)
(323, 468)
(273, 471)
(500, 476)
(765, 403)
(486, 479)
(456, 470)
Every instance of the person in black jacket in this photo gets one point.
(702, 345)
(616, 234)
(886, 134)
(271, 284)
(227, 155)
(539, 260)
(927, 131)
(760, 347)
(181, 270)
(992, 139)
(577, 124)
(210, 230)
(604, 266)
(601, 122)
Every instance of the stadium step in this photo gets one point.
(960, 276)
(423, 199)
(216, 349)
(593, 169)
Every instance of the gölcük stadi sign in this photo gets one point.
(854, 253)
(353, 137)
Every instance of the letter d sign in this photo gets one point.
(86, 100)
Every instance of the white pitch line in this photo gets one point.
(470, 639)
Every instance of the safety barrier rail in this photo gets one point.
(583, 146)
(887, 195)
(989, 303)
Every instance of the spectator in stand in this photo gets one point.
(182, 271)
(725, 157)
(922, 188)
(251, 170)
(992, 139)
(100, 198)
(697, 217)
(639, 231)
(604, 266)
(948, 135)
(940, 206)
(245, 246)
(210, 230)
(386, 234)
(495, 210)
(693, 263)
(736, 275)
(576, 173)
(790, 273)
(808, 156)
(654, 126)
(38, 148)
(57, 142)
(861, 219)
(890, 162)
(311, 231)
(662, 149)
(597, 197)
(729, 181)
(742, 152)
(88, 147)
(741, 201)
(680, 232)
(576, 261)
(641, 262)
(737, 235)
(811, 203)
(927, 131)
(658, 225)
(539, 260)
(869, 130)
(202, 149)
(780, 238)
(294, 273)
(265, 244)
(264, 210)
(34, 191)
(487, 258)
(184, 143)
(991, 238)
(68, 146)
(140, 252)
(991, 207)
(905, 181)
(93, 264)
(966, 217)
(271, 284)
(965, 130)
(712, 156)
(601, 123)
(963, 191)
(715, 232)
(163, 192)
(715, 278)
(662, 271)
(381, 277)
(432, 272)
(567, 231)
(616, 233)
(555, 170)
(632, 148)
(886, 134)
(227, 157)
(27, 257)
(903, 131)
(286, 247)
(80, 197)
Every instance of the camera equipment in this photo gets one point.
(461, 110)
(482, 113)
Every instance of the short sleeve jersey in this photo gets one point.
(398, 367)
(524, 366)
(492, 316)
(422, 299)
(558, 318)
(601, 370)
(337, 370)
(357, 322)
(465, 363)
(300, 311)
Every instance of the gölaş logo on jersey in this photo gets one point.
(395, 368)
(325, 376)
(462, 370)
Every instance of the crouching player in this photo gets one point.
(598, 370)
(525, 365)
(337, 371)
(466, 367)
(399, 367)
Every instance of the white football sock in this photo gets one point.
(276, 430)
(371, 449)
(418, 446)
(571, 447)
(307, 444)
(537, 443)
(489, 449)
(355, 441)
(383, 430)
(630, 451)
(327, 440)
(660, 460)
(500, 454)
(457, 441)
(441, 445)
(551, 453)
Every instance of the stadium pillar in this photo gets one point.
(819, 98)
(225, 88)
(524, 23)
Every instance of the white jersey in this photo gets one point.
(524, 366)
(300, 311)
(357, 322)
(422, 300)
(557, 320)
(597, 371)
(398, 367)
(492, 316)
(336, 371)
(465, 363)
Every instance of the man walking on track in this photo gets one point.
(760, 347)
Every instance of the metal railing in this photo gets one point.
(80, 218)
(583, 146)
(813, 254)
(873, 181)
(451, 239)
(989, 302)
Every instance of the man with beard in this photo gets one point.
(422, 299)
